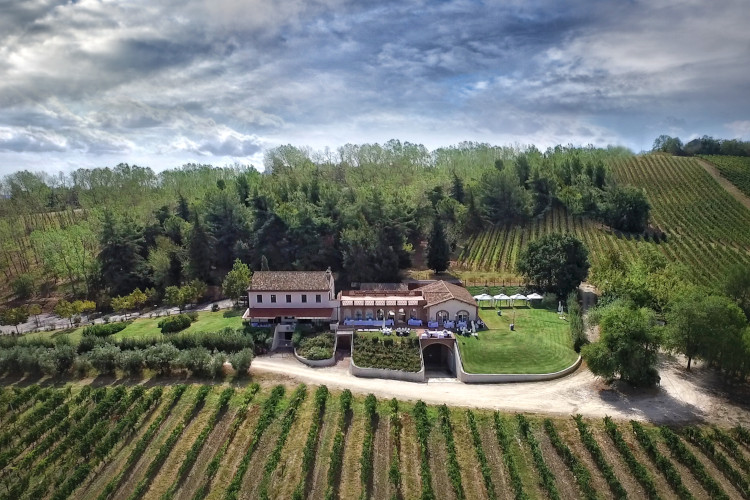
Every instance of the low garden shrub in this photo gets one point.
(105, 330)
(174, 324)
(317, 347)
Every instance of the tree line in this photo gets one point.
(362, 210)
(705, 145)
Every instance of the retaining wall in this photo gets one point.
(319, 363)
(501, 378)
(359, 371)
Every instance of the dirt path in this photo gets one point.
(731, 188)
(682, 397)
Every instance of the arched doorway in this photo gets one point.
(439, 360)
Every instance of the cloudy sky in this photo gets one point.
(161, 83)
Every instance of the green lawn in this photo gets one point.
(540, 344)
(146, 327)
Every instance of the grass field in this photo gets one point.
(248, 441)
(147, 327)
(540, 343)
(702, 225)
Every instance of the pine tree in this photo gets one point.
(123, 266)
(457, 189)
(183, 211)
(199, 251)
(438, 251)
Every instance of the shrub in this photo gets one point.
(104, 330)
(317, 347)
(403, 355)
(174, 323)
(241, 361)
(214, 307)
(192, 315)
(23, 286)
(104, 358)
(131, 362)
(159, 357)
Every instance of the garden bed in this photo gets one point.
(390, 353)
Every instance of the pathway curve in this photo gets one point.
(682, 397)
(731, 188)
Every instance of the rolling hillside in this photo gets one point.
(200, 441)
(693, 220)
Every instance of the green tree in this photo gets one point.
(236, 281)
(23, 286)
(122, 304)
(123, 266)
(737, 286)
(554, 263)
(35, 310)
(457, 189)
(626, 209)
(667, 144)
(172, 297)
(702, 325)
(138, 298)
(627, 347)
(14, 316)
(65, 309)
(438, 251)
(200, 255)
(501, 197)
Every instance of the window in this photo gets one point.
(259, 299)
(304, 298)
(358, 315)
(288, 298)
(380, 314)
(462, 316)
(273, 299)
(442, 316)
(317, 298)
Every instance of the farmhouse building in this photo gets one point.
(439, 302)
(290, 296)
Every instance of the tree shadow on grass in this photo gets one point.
(233, 313)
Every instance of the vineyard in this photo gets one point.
(220, 442)
(693, 221)
(736, 169)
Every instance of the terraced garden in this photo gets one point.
(223, 442)
(693, 221)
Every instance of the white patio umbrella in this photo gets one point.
(534, 296)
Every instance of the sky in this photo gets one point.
(163, 83)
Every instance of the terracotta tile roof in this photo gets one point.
(441, 291)
(296, 312)
(289, 281)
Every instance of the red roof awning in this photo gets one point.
(296, 312)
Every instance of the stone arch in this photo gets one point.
(462, 315)
(442, 316)
(439, 357)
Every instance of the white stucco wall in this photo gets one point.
(325, 299)
(452, 307)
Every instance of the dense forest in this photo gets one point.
(364, 210)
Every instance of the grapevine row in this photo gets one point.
(481, 457)
(337, 451)
(548, 478)
(366, 460)
(579, 470)
(504, 440)
(588, 440)
(454, 472)
(423, 433)
(681, 453)
(699, 439)
(311, 444)
(636, 468)
(662, 463)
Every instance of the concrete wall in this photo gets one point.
(319, 363)
(501, 378)
(359, 371)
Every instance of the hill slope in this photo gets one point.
(696, 222)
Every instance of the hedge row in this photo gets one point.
(696, 437)
(166, 447)
(592, 446)
(366, 459)
(636, 468)
(548, 478)
(337, 451)
(662, 463)
(311, 444)
(394, 469)
(423, 436)
(213, 465)
(143, 442)
(504, 440)
(454, 471)
(266, 417)
(286, 425)
(579, 470)
(481, 457)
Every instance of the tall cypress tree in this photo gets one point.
(438, 251)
